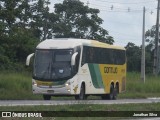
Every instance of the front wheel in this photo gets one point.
(47, 97)
(81, 95)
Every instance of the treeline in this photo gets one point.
(24, 23)
(134, 53)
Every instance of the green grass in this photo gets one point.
(18, 86)
(136, 88)
(15, 86)
(125, 109)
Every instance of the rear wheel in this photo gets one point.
(109, 96)
(115, 92)
(47, 97)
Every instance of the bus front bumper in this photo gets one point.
(50, 90)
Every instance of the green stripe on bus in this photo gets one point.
(96, 75)
(93, 75)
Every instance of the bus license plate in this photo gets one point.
(50, 91)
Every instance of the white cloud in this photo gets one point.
(124, 26)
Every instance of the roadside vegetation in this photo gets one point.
(78, 111)
(18, 86)
(22, 27)
(21, 31)
(136, 88)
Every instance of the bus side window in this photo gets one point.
(77, 59)
(102, 58)
(91, 55)
(107, 59)
(83, 56)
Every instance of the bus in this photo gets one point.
(79, 68)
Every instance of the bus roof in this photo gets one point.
(66, 43)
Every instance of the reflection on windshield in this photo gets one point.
(52, 64)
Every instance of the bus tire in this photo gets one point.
(110, 95)
(115, 92)
(81, 95)
(47, 97)
(76, 97)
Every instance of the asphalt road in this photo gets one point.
(69, 102)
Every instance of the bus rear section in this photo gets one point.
(106, 69)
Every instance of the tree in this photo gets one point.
(25, 13)
(79, 21)
(150, 38)
(42, 21)
(24, 23)
(133, 54)
(16, 38)
(149, 58)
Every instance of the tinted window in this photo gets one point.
(103, 56)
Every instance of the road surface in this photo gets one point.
(69, 102)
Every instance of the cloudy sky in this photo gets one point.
(123, 18)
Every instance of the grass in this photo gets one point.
(136, 88)
(17, 86)
(111, 111)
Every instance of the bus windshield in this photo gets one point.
(52, 64)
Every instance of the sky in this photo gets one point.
(123, 19)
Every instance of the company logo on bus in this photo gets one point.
(111, 70)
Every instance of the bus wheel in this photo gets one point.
(115, 92)
(76, 97)
(47, 97)
(111, 94)
(81, 95)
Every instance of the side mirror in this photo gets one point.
(73, 59)
(29, 59)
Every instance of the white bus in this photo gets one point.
(78, 67)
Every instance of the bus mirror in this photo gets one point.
(73, 59)
(28, 59)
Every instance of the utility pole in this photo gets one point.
(143, 49)
(156, 61)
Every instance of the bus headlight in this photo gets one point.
(67, 84)
(69, 90)
(34, 83)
